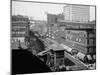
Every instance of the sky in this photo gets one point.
(38, 11)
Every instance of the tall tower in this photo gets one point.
(77, 13)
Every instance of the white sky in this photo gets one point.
(38, 10)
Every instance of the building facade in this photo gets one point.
(82, 37)
(77, 13)
(19, 29)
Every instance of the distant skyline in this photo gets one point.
(38, 11)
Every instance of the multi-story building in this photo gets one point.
(19, 29)
(77, 13)
(79, 36)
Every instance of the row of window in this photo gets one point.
(77, 33)
(18, 27)
(76, 39)
(19, 19)
(20, 24)
(23, 32)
